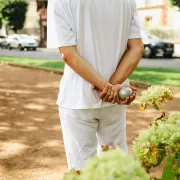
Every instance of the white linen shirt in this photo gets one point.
(100, 29)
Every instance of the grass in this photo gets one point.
(168, 77)
(52, 64)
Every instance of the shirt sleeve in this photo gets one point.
(134, 26)
(59, 30)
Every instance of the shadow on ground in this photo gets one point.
(31, 144)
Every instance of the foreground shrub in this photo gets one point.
(162, 138)
(154, 96)
(110, 165)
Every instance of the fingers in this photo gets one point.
(115, 97)
(133, 88)
(121, 102)
(125, 101)
(128, 100)
(108, 94)
(111, 97)
(104, 92)
(132, 98)
(134, 95)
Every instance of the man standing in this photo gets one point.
(101, 45)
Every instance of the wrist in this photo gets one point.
(102, 85)
(115, 82)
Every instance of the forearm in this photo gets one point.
(127, 65)
(85, 70)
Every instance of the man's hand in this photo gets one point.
(128, 100)
(110, 94)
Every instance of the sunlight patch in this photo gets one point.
(38, 119)
(11, 148)
(53, 143)
(35, 106)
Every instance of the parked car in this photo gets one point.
(36, 38)
(153, 46)
(21, 41)
(2, 41)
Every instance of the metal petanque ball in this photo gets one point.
(125, 92)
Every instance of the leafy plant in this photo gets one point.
(162, 138)
(1, 7)
(175, 3)
(0, 21)
(110, 165)
(14, 13)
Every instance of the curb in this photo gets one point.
(136, 84)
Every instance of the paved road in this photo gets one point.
(161, 63)
(50, 55)
(39, 54)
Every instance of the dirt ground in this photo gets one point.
(31, 144)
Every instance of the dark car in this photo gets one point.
(153, 46)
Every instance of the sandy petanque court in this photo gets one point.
(31, 144)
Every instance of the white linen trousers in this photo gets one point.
(84, 129)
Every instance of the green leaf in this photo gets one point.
(178, 161)
(156, 107)
(178, 166)
(168, 172)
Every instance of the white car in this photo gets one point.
(2, 41)
(21, 41)
(36, 38)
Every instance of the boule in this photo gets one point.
(125, 92)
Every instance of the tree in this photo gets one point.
(0, 21)
(176, 3)
(1, 7)
(15, 14)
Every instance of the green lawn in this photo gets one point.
(53, 64)
(169, 77)
(150, 75)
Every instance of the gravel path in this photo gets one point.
(31, 144)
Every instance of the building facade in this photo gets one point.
(36, 19)
(153, 14)
(32, 25)
(158, 14)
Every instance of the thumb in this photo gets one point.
(133, 88)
